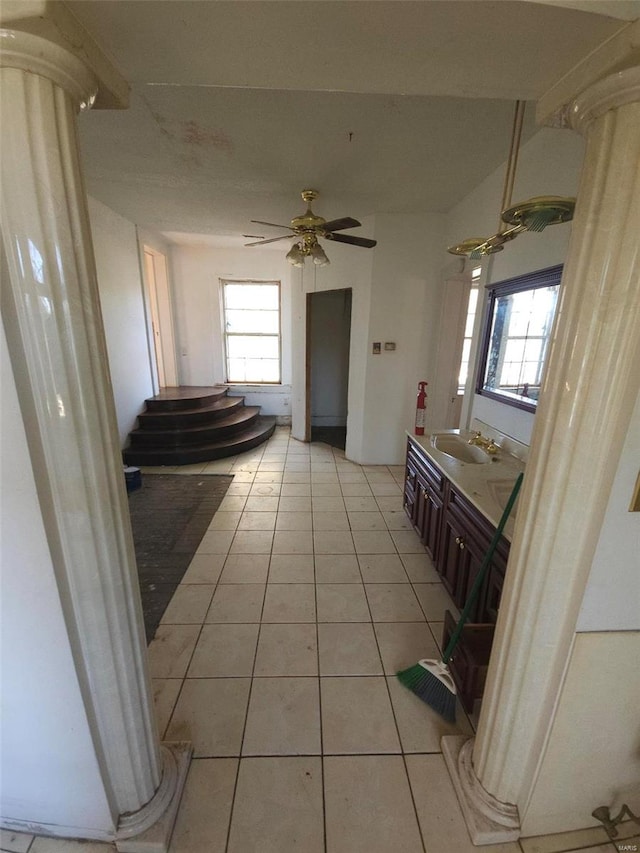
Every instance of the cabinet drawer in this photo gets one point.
(423, 466)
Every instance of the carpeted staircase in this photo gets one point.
(190, 423)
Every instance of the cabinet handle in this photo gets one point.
(460, 542)
(424, 494)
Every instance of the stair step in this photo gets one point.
(258, 432)
(184, 418)
(216, 430)
(173, 399)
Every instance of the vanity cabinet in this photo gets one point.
(456, 534)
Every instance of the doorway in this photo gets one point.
(159, 301)
(328, 344)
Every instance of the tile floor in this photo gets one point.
(276, 658)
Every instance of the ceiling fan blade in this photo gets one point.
(273, 224)
(272, 240)
(341, 224)
(353, 241)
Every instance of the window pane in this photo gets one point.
(247, 346)
(255, 296)
(252, 321)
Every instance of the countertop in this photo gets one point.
(487, 485)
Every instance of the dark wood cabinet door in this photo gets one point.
(452, 559)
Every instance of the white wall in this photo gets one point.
(197, 271)
(50, 774)
(123, 312)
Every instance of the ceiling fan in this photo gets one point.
(307, 228)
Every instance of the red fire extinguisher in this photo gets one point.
(421, 407)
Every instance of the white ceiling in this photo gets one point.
(382, 105)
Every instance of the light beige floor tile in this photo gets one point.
(236, 603)
(356, 490)
(205, 808)
(267, 482)
(188, 605)
(420, 726)
(239, 489)
(438, 810)
(434, 600)
(245, 568)
(351, 475)
(224, 650)
(324, 474)
(252, 542)
(278, 806)
(216, 542)
(402, 644)
(271, 466)
(283, 717)
(562, 841)
(210, 713)
(296, 467)
(261, 503)
(232, 503)
(420, 568)
(289, 602)
(257, 521)
(389, 504)
(64, 845)
(407, 542)
(170, 650)
(398, 520)
(342, 602)
(287, 650)
(269, 456)
(204, 568)
(195, 468)
(384, 490)
(265, 490)
(367, 521)
(14, 842)
(369, 808)
(330, 520)
(296, 477)
(291, 568)
(294, 521)
(393, 603)
(357, 716)
(337, 568)
(348, 648)
(437, 630)
(296, 490)
(382, 568)
(293, 542)
(295, 504)
(360, 503)
(165, 694)
(373, 542)
(242, 476)
(333, 542)
(325, 490)
(320, 504)
(224, 521)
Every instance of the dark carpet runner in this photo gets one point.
(169, 516)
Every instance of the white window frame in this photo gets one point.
(226, 335)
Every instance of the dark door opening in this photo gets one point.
(328, 340)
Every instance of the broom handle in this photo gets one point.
(475, 589)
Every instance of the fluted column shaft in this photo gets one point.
(51, 312)
(592, 382)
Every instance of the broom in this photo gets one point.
(431, 679)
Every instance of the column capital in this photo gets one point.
(614, 91)
(37, 55)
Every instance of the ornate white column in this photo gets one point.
(51, 313)
(592, 382)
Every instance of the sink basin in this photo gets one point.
(456, 446)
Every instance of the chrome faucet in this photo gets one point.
(487, 444)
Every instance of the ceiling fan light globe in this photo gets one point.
(295, 256)
(318, 254)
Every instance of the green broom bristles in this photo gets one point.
(431, 681)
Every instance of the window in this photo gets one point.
(519, 320)
(251, 317)
(468, 329)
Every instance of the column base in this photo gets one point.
(488, 820)
(149, 830)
